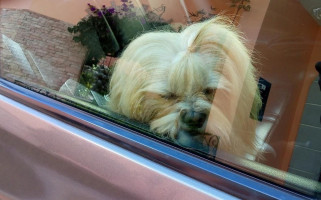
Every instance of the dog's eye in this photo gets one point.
(169, 96)
(209, 91)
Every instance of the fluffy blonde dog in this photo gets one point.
(190, 83)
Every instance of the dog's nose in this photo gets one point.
(193, 119)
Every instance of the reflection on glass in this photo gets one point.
(18, 54)
(193, 83)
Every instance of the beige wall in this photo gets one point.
(67, 10)
(73, 10)
(19, 4)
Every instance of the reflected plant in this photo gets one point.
(240, 5)
(96, 78)
(106, 31)
(202, 15)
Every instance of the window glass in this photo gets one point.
(235, 81)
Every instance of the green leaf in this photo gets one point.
(70, 30)
(76, 38)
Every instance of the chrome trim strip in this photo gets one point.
(211, 173)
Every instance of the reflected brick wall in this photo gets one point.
(38, 49)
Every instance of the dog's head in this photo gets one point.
(185, 84)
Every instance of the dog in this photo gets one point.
(191, 85)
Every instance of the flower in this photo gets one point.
(111, 10)
(93, 25)
(125, 7)
(92, 8)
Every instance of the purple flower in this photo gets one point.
(111, 10)
(92, 8)
(125, 7)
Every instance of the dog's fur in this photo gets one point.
(205, 70)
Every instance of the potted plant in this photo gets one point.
(106, 31)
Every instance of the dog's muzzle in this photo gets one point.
(193, 119)
(191, 133)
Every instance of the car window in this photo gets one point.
(234, 81)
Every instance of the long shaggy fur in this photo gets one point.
(206, 68)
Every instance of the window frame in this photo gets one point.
(214, 174)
